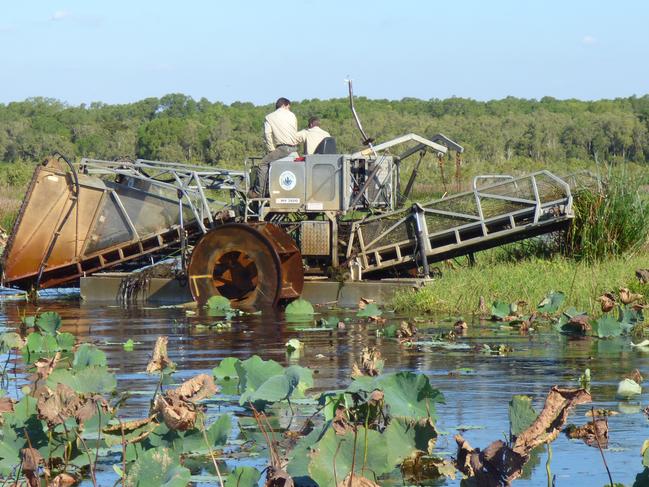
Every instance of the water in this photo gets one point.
(477, 401)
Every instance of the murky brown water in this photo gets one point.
(477, 401)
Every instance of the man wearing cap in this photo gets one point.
(280, 136)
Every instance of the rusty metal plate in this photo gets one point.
(315, 238)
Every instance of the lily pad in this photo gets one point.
(371, 310)
(92, 379)
(10, 340)
(88, 355)
(226, 369)
(552, 302)
(293, 344)
(521, 414)
(219, 303)
(332, 456)
(644, 451)
(48, 322)
(500, 310)
(157, 468)
(404, 437)
(406, 394)
(607, 326)
(628, 388)
(299, 310)
(243, 477)
(193, 440)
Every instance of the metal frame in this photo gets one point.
(478, 231)
(189, 181)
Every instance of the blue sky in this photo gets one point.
(120, 51)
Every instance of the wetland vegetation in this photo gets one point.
(502, 354)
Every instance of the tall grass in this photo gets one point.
(612, 222)
(459, 290)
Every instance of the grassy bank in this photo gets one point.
(459, 290)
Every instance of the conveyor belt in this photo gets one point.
(491, 215)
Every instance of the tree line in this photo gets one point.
(176, 127)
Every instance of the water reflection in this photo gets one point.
(478, 399)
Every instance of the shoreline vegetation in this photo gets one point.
(600, 252)
(459, 290)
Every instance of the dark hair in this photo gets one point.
(314, 122)
(282, 102)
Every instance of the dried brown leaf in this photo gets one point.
(64, 480)
(460, 326)
(30, 461)
(44, 367)
(635, 376)
(419, 468)
(197, 388)
(371, 363)
(55, 406)
(356, 481)
(642, 275)
(627, 297)
(177, 414)
(607, 302)
(363, 302)
(406, 332)
(592, 433)
(340, 422)
(499, 463)
(160, 359)
(277, 477)
(551, 419)
(6, 405)
(581, 324)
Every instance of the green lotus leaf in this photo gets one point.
(332, 456)
(88, 355)
(10, 447)
(192, 441)
(404, 437)
(219, 304)
(226, 369)
(48, 322)
(92, 379)
(299, 307)
(10, 340)
(254, 371)
(607, 326)
(644, 451)
(409, 395)
(243, 477)
(290, 382)
(299, 310)
(159, 467)
(39, 343)
(552, 302)
(65, 341)
(369, 311)
(500, 310)
(521, 414)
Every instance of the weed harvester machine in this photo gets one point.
(325, 214)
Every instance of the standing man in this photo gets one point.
(312, 136)
(280, 136)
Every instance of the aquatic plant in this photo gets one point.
(609, 222)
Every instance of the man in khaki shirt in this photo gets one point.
(312, 136)
(280, 136)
